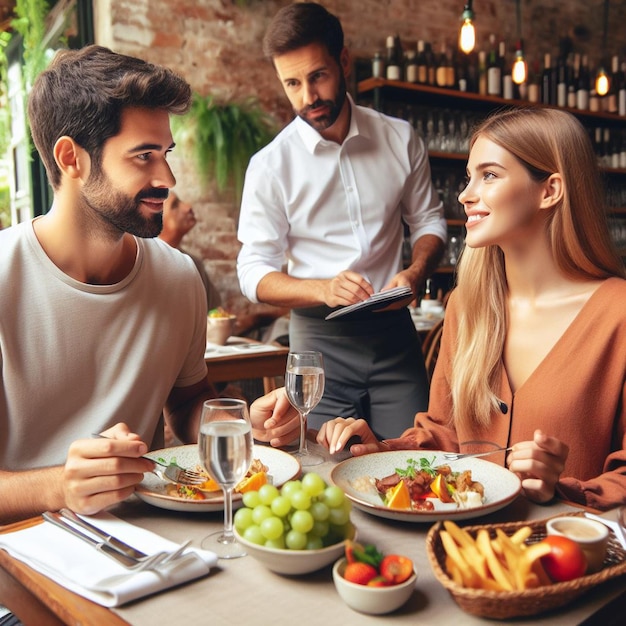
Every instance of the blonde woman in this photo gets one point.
(533, 352)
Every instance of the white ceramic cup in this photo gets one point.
(590, 535)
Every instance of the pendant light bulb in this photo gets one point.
(519, 72)
(467, 38)
(602, 83)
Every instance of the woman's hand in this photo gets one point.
(539, 464)
(336, 433)
(101, 472)
(274, 420)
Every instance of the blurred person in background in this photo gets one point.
(178, 220)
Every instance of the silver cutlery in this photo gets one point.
(455, 456)
(114, 542)
(130, 563)
(172, 472)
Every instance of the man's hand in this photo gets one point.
(539, 464)
(274, 420)
(101, 472)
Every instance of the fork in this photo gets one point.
(172, 472)
(455, 456)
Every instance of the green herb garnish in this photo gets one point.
(413, 467)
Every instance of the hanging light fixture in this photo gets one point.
(467, 38)
(519, 72)
(602, 79)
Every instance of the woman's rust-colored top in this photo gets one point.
(576, 394)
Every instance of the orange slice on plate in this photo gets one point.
(252, 483)
(208, 485)
(398, 497)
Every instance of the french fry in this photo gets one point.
(500, 575)
(468, 575)
(521, 534)
(500, 564)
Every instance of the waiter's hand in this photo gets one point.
(347, 288)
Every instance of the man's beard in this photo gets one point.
(334, 106)
(120, 211)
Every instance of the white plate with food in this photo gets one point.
(281, 467)
(357, 477)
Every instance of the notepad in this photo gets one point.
(377, 301)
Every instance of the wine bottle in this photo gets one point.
(494, 74)
(482, 73)
(584, 85)
(546, 79)
(422, 63)
(411, 67)
(562, 85)
(451, 68)
(442, 64)
(431, 64)
(611, 96)
(394, 58)
(534, 84)
(621, 93)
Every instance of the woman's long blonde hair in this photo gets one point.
(545, 141)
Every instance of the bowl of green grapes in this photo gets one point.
(297, 529)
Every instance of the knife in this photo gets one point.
(57, 520)
(110, 540)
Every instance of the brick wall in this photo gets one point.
(216, 46)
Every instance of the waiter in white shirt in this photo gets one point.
(329, 197)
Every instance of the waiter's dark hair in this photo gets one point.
(301, 24)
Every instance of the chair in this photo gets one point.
(430, 347)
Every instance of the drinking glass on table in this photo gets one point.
(304, 384)
(225, 451)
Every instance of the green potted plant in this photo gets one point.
(223, 137)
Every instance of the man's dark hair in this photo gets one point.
(301, 24)
(82, 95)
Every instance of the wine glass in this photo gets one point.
(225, 450)
(304, 384)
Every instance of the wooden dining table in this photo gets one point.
(242, 358)
(242, 591)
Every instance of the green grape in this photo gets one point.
(277, 544)
(333, 496)
(261, 512)
(243, 519)
(314, 543)
(295, 540)
(272, 528)
(313, 484)
(339, 516)
(281, 506)
(319, 511)
(251, 499)
(253, 534)
(320, 529)
(291, 486)
(300, 500)
(267, 493)
(302, 521)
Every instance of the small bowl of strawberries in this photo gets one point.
(373, 583)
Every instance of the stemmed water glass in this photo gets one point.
(225, 451)
(304, 384)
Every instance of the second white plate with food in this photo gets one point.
(281, 468)
(355, 476)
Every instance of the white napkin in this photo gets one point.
(77, 566)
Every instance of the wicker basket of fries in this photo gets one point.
(486, 601)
